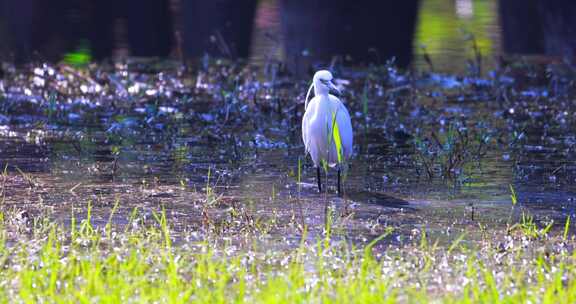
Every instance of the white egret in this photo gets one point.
(326, 126)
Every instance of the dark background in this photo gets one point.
(361, 31)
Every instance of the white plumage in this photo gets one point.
(317, 124)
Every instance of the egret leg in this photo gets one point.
(318, 178)
(339, 189)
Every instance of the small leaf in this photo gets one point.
(513, 196)
(336, 137)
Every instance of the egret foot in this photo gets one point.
(339, 189)
(319, 181)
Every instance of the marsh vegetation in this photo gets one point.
(156, 181)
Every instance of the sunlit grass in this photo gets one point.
(146, 263)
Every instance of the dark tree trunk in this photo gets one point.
(218, 27)
(360, 31)
(539, 27)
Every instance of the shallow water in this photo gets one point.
(242, 147)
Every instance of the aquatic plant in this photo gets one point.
(445, 153)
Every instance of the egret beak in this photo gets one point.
(333, 89)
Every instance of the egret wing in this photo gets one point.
(306, 119)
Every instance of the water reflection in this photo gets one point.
(446, 30)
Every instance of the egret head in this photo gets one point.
(323, 83)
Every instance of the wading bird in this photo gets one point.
(326, 126)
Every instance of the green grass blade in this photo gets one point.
(336, 137)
